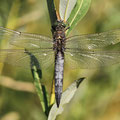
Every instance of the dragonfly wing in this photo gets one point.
(91, 58)
(94, 41)
(25, 40)
(42, 58)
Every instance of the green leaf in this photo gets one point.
(66, 97)
(65, 8)
(37, 76)
(52, 11)
(78, 13)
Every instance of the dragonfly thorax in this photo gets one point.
(59, 36)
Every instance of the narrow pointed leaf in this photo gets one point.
(52, 12)
(65, 8)
(66, 97)
(78, 13)
(37, 76)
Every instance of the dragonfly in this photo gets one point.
(84, 51)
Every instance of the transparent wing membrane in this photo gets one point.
(22, 58)
(84, 51)
(25, 40)
(91, 58)
(94, 41)
(34, 47)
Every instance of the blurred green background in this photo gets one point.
(98, 97)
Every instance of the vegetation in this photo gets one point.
(97, 98)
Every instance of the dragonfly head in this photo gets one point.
(59, 26)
